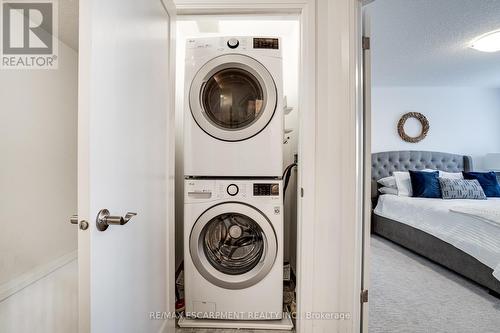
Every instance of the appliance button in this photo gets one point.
(233, 43)
(232, 189)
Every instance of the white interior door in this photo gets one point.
(125, 164)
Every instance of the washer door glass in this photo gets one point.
(233, 98)
(233, 243)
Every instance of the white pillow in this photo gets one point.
(388, 182)
(403, 183)
(448, 175)
(388, 190)
(451, 175)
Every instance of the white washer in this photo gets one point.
(233, 249)
(233, 124)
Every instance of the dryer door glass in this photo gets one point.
(233, 98)
(233, 243)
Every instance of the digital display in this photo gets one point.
(266, 43)
(266, 189)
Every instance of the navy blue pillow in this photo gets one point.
(425, 184)
(488, 181)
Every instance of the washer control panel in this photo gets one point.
(271, 189)
(246, 189)
(198, 190)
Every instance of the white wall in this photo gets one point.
(462, 120)
(38, 117)
(288, 29)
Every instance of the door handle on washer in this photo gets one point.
(104, 219)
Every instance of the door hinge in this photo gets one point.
(366, 43)
(364, 296)
(301, 192)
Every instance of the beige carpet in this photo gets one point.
(408, 293)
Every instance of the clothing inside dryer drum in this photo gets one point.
(233, 243)
(233, 98)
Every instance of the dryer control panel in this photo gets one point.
(266, 43)
(268, 46)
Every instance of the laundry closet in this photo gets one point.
(236, 169)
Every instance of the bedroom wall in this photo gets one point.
(462, 120)
(38, 145)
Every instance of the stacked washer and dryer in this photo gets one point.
(233, 163)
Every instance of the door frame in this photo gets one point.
(169, 324)
(365, 111)
(305, 10)
(308, 224)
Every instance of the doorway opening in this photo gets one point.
(430, 260)
(286, 28)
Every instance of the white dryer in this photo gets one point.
(233, 106)
(233, 249)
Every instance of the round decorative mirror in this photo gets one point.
(423, 121)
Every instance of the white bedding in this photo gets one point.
(470, 234)
(487, 214)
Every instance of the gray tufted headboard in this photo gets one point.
(384, 163)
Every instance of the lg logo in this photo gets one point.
(28, 34)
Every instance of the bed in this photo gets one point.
(463, 244)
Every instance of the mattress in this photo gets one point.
(472, 235)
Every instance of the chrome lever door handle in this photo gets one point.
(104, 219)
(73, 219)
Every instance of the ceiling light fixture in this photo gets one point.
(489, 42)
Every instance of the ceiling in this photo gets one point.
(68, 22)
(425, 42)
(238, 26)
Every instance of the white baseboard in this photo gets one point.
(15, 285)
(283, 324)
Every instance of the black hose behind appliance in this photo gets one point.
(286, 177)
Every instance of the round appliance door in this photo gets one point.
(233, 245)
(233, 97)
